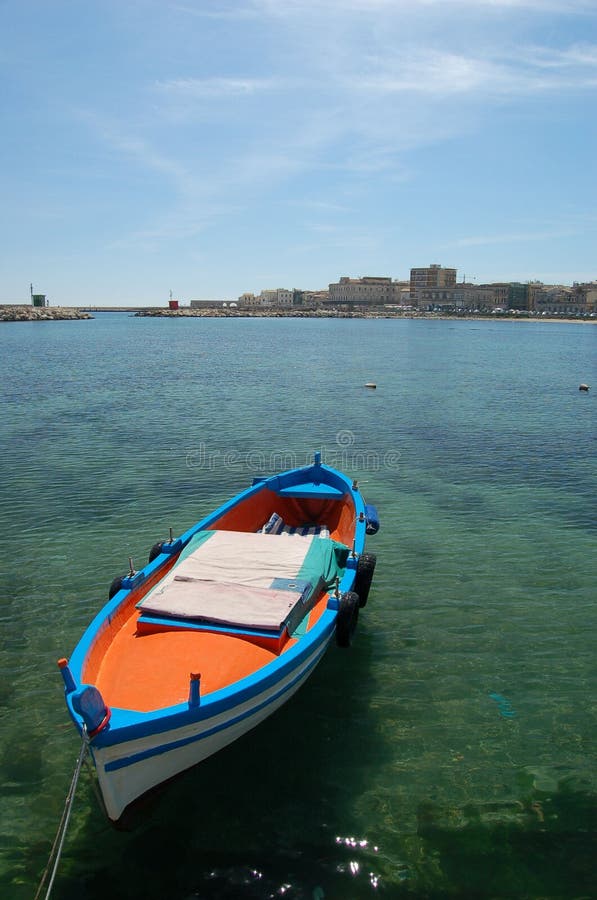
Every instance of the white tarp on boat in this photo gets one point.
(235, 578)
(223, 603)
(241, 557)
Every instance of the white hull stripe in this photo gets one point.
(175, 745)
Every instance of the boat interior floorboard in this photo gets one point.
(153, 671)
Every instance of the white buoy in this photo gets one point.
(370, 384)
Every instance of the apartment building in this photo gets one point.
(578, 300)
(275, 297)
(313, 298)
(368, 290)
(431, 285)
(590, 294)
(249, 299)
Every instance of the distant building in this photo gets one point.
(431, 285)
(369, 290)
(309, 299)
(433, 288)
(275, 297)
(590, 292)
(494, 297)
(205, 304)
(315, 298)
(249, 299)
(561, 300)
(518, 295)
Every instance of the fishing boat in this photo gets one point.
(219, 629)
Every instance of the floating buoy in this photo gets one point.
(583, 387)
(371, 384)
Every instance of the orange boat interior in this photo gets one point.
(148, 668)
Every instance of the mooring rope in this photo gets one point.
(56, 851)
(93, 782)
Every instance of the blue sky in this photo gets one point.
(211, 148)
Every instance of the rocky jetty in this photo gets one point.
(267, 312)
(41, 314)
(298, 312)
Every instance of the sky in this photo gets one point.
(211, 148)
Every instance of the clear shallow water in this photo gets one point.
(451, 751)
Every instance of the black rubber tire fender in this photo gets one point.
(346, 618)
(155, 551)
(364, 576)
(115, 586)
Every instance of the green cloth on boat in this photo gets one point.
(195, 542)
(326, 560)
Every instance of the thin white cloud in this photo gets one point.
(428, 72)
(401, 7)
(512, 237)
(216, 87)
(541, 6)
(178, 225)
(575, 56)
(114, 135)
(322, 206)
(439, 73)
(217, 10)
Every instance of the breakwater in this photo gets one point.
(231, 312)
(270, 312)
(26, 313)
(41, 314)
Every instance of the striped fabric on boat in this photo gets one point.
(275, 525)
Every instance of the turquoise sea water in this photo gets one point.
(451, 751)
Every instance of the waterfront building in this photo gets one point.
(562, 300)
(207, 304)
(431, 284)
(368, 290)
(434, 289)
(590, 294)
(518, 296)
(276, 297)
(249, 299)
(490, 297)
(313, 298)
